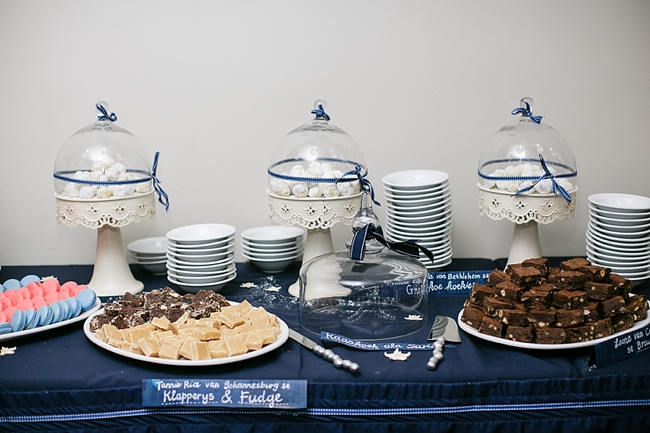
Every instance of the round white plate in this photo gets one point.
(421, 204)
(270, 251)
(626, 246)
(271, 260)
(624, 229)
(617, 266)
(415, 191)
(538, 346)
(420, 227)
(82, 316)
(201, 251)
(627, 240)
(158, 261)
(201, 265)
(418, 211)
(284, 334)
(200, 233)
(414, 179)
(614, 250)
(203, 245)
(617, 202)
(273, 246)
(426, 195)
(272, 234)
(148, 246)
(618, 258)
(618, 221)
(618, 214)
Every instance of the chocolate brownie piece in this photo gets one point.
(480, 292)
(574, 264)
(490, 326)
(577, 334)
(615, 305)
(547, 287)
(541, 318)
(565, 318)
(568, 280)
(523, 334)
(491, 305)
(595, 273)
(599, 291)
(552, 270)
(621, 322)
(569, 299)
(513, 317)
(112, 309)
(536, 299)
(541, 264)
(524, 275)
(590, 311)
(548, 335)
(496, 277)
(638, 306)
(98, 321)
(623, 285)
(602, 328)
(509, 291)
(473, 317)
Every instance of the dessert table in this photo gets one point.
(59, 380)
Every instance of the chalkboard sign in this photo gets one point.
(622, 347)
(250, 393)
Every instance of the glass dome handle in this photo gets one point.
(525, 110)
(102, 112)
(319, 110)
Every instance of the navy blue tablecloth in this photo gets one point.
(59, 380)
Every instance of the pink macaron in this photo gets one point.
(51, 298)
(35, 289)
(50, 285)
(9, 312)
(14, 297)
(4, 302)
(25, 305)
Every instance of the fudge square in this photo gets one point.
(548, 335)
(599, 291)
(490, 326)
(569, 299)
(524, 275)
(568, 279)
(472, 316)
(509, 291)
(523, 334)
(574, 264)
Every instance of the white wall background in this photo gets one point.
(215, 85)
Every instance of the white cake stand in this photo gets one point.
(317, 216)
(526, 211)
(111, 274)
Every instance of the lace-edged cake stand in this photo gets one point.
(111, 274)
(317, 216)
(526, 211)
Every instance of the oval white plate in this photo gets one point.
(82, 316)
(414, 179)
(284, 335)
(538, 346)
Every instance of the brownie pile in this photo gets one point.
(534, 303)
(134, 310)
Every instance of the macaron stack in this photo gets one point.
(29, 303)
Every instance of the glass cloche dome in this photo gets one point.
(379, 296)
(102, 161)
(316, 160)
(528, 156)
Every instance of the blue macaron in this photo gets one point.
(65, 310)
(44, 316)
(2, 288)
(56, 312)
(5, 328)
(75, 306)
(28, 279)
(86, 298)
(18, 321)
(12, 284)
(31, 321)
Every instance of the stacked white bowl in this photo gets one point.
(201, 256)
(618, 234)
(272, 248)
(150, 253)
(418, 207)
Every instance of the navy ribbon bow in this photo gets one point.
(365, 183)
(557, 188)
(525, 111)
(163, 198)
(103, 114)
(320, 113)
(358, 247)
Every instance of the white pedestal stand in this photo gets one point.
(317, 216)
(526, 211)
(111, 274)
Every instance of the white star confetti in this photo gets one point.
(248, 285)
(397, 355)
(7, 351)
(413, 317)
(273, 289)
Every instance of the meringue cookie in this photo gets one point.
(280, 187)
(104, 192)
(112, 173)
(81, 175)
(300, 190)
(140, 187)
(315, 191)
(71, 190)
(330, 190)
(124, 190)
(544, 187)
(87, 192)
(297, 171)
(315, 169)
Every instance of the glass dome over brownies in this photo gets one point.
(528, 175)
(104, 180)
(315, 179)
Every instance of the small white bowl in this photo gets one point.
(193, 288)
(202, 265)
(200, 277)
(422, 239)
(264, 256)
(410, 192)
(200, 233)
(618, 221)
(148, 246)
(613, 250)
(416, 209)
(419, 203)
(639, 267)
(297, 243)
(213, 244)
(617, 228)
(632, 260)
(414, 179)
(188, 271)
(430, 231)
(292, 249)
(148, 260)
(202, 258)
(632, 236)
(617, 202)
(618, 214)
(271, 267)
(155, 268)
(419, 216)
(399, 197)
(272, 234)
(608, 241)
(202, 251)
(417, 226)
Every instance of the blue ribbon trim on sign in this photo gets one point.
(369, 231)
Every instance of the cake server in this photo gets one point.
(446, 327)
(326, 354)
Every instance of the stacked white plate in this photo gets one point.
(272, 248)
(418, 207)
(618, 234)
(201, 256)
(150, 253)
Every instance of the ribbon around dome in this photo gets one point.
(358, 246)
(557, 188)
(163, 198)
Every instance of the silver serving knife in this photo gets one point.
(326, 354)
(446, 327)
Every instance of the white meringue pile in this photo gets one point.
(524, 170)
(105, 170)
(318, 170)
